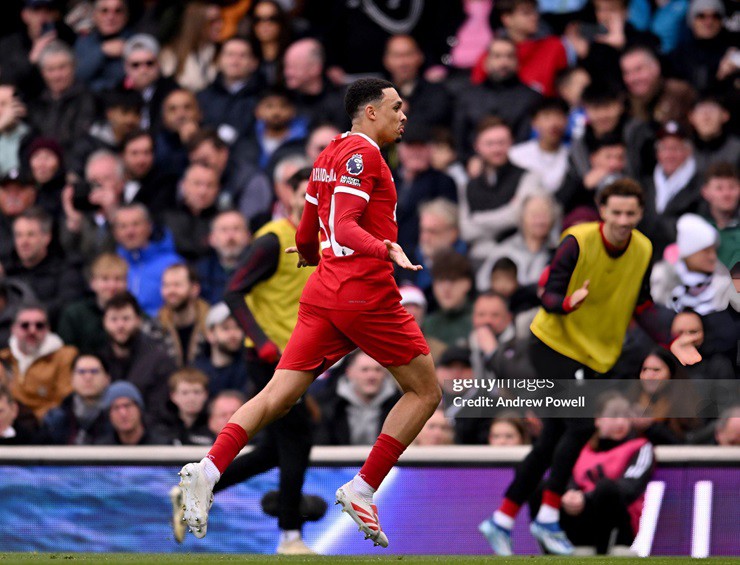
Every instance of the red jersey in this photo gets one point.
(351, 201)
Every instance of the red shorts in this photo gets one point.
(322, 337)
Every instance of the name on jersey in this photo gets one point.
(322, 175)
(351, 181)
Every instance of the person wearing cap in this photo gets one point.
(673, 187)
(697, 280)
(42, 24)
(224, 358)
(124, 406)
(100, 52)
(143, 75)
(46, 165)
(262, 296)
(697, 58)
(17, 194)
(712, 138)
(413, 299)
(417, 182)
(14, 132)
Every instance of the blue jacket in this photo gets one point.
(145, 268)
(94, 68)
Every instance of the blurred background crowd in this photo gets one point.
(143, 143)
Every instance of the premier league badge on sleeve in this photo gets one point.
(355, 165)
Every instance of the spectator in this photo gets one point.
(444, 157)
(13, 293)
(228, 102)
(124, 406)
(531, 247)
(81, 322)
(352, 414)
(697, 280)
(65, 109)
(609, 482)
(181, 117)
(502, 94)
(437, 430)
(122, 115)
(727, 430)
(452, 280)
(319, 138)
(492, 330)
(414, 301)
(540, 56)
(493, 199)
(223, 360)
(46, 164)
(143, 75)
(13, 431)
(79, 419)
(100, 53)
(89, 207)
(712, 139)
(427, 103)
(417, 182)
(190, 221)
(655, 403)
(546, 156)
(145, 182)
(37, 361)
(507, 431)
(42, 24)
(721, 198)
(133, 356)
(285, 168)
(696, 59)
(269, 33)
(714, 364)
(183, 315)
(54, 282)
(14, 131)
(243, 185)
(146, 256)
(186, 419)
(317, 100)
(503, 279)
(666, 20)
(17, 195)
(673, 188)
(222, 408)
(278, 131)
(189, 57)
(228, 238)
(570, 85)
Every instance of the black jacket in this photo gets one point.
(61, 426)
(219, 106)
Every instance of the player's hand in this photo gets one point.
(684, 349)
(577, 298)
(395, 252)
(573, 502)
(301, 261)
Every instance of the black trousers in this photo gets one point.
(604, 515)
(561, 440)
(286, 443)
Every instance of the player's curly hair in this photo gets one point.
(364, 91)
(622, 187)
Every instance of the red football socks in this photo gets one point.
(509, 507)
(383, 456)
(552, 499)
(230, 441)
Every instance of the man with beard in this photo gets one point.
(145, 183)
(224, 361)
(183, 315)
(132, 356)
(228, 238)
(263, 297)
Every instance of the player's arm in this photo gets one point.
(306, 238)
(259, 262)
(555, 298)
(637, 475)
(348, 208)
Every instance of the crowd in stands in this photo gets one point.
(143, 142)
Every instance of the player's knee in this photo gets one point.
(432, 397)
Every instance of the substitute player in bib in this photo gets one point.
(348, 229)
(598, 281)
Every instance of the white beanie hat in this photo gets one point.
(694, 234)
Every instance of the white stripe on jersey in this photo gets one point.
(350, 190)
(312, 200)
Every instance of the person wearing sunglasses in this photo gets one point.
(143, 74)
(38, 362)
(99, 54)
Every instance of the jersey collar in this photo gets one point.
(365, 136)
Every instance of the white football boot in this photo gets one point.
(197, 498)
(364, 513)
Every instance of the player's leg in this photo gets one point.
(394, 340)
